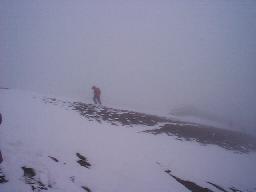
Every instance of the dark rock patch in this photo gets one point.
(193, 187)
(54, 159)
(72, 178)
(218, 187)
(115, 116)
(29, 172)
(230, 140)
(83, 161)
(2, 177)
(233, 189)
(188, 184)
(226, 139)
(35, 183)
(86, 189)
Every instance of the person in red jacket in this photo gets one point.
(96, 96)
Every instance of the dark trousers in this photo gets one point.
(96, 99)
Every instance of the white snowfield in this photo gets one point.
(47, 138)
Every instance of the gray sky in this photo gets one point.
(143, 54)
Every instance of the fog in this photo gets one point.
(145, 55)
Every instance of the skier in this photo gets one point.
(96, 97)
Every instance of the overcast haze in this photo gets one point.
(144, 55)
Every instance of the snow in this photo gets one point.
(122, 158)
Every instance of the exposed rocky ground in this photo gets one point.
(230, 140)
(227, 139)
(193, 187)
(31, 177)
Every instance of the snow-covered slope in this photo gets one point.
(63, 146)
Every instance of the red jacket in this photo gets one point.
(96, 91)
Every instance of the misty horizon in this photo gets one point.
(144, 55)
